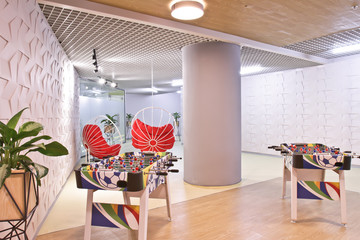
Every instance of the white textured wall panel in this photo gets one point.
(316, 104)
(36, 73)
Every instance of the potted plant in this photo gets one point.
(176, 116)
(129, 117)
(18, 169)
(108, 123)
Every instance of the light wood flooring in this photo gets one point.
(250, 212)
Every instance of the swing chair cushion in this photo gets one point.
(154, 139)
(94, 141)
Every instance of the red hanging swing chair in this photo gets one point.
(153, 129)
(101, 140)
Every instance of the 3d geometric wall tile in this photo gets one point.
(36, 73)
(319, 104)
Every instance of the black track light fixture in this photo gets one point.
(95, 63)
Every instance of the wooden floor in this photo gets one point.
(251, 212)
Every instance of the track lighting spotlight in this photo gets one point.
(102, 81)
(95, 63)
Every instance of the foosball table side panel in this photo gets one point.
(318, 190)
(115, 215)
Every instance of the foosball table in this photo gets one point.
(305, 165)
(143, 175)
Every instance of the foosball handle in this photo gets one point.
(85, 164)
(162, 173)
(338, 164)
(121, 184)
(272, 147)
(173, 170)
(169, 165)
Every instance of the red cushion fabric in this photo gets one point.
(155, 139)
(94, 141)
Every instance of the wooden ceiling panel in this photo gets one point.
(276, 22)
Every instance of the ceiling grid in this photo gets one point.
(125, 50)
(322, 46)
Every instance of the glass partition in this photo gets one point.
(101, 99)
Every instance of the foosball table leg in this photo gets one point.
(284, 180)
(132, 234)
(143, 218)
(89, 203)
(342, 197)
(293, 195)
(127, 200)
(168, 200)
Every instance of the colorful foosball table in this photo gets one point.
(305, 165)
(142, 175)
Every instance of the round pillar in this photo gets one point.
(212, 114)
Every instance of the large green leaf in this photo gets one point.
(5, 172)
(41, 171)
(22, 148)
(38, 170)
(29, 129)
(7, 134)
(25, 160)
(1, 143)
(52, 149)
(2, 127)
(15, 119)
(44, 137)
(26, 163)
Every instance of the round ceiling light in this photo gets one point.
(187, 10)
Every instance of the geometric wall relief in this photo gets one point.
(36, 73)
(315, 104)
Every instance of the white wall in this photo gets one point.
(171, 102)
(35, 72)
(93, 107)
(316, 104)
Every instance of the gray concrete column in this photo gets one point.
(212, 114)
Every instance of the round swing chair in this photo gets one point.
(153, 130)
(101, 138)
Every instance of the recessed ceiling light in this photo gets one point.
(251, 69)
(187, 10)
(177, 82)
(154, 90)
(351, 48)
(102, 81)
(113, 84)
